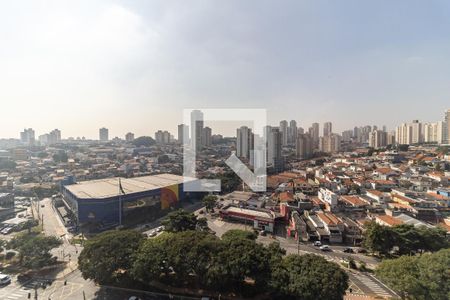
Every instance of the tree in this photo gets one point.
(309, 277)
(180, 220)
(403, 148)
(407, 238)
(34, 249)
(143, 141)
(378, 238)
(61, 156)
(418, 277)
(107, 257)
(234, 234)
(432, 239)
(401, 275)
(209, 201)
(240, 258)
(42, 154)
(151, 259)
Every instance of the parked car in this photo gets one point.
(152, 234)
(361, 250)
(7, 230)
(160, 228)
(325, 248)
(348, 250)
(317, 243)
(4, 279)
(263, 233)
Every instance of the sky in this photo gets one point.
(135, 65)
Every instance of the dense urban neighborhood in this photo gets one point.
(111, 219)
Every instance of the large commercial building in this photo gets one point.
(105, 203)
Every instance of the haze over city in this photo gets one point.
(133, 66)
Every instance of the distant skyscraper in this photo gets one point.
(378, 139)
(327, 128)
(103, 134)
(27, 136)
(292, 132)
(206, 137)
(244, 142)
(274, 149)
(54, 137)
(347, 135)
(129, 137)
(304, 146)
(447, 127)
(284, 132)
(197, 128)
(410, 133)
(315, 133)
(183, 131)
(162, 137)
(330, 143)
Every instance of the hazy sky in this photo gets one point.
(134, 65)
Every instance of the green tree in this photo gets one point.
(234, 234)
(180, 220)
(418, 277)
(379, 238)
(34, 249)
(107, 257)
(42, 154)
(209, 201)
(151, 260)
(407, 238)
(309, 277)
(240, 258)
(143, 141)
(435, 274)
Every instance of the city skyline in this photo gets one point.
(283, 125)
(135, 66)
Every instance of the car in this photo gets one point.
(42, 205)
(134, 298)
(325, 248)
(361, 250)
(5, 279)
(317, 243)
(348, 250)
(263, 233)
(160, 228)
(152, 234)
(7, 230)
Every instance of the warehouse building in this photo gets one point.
(106, 203)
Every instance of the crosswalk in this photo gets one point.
(374, 285)
(58, 290)
(15, 291)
